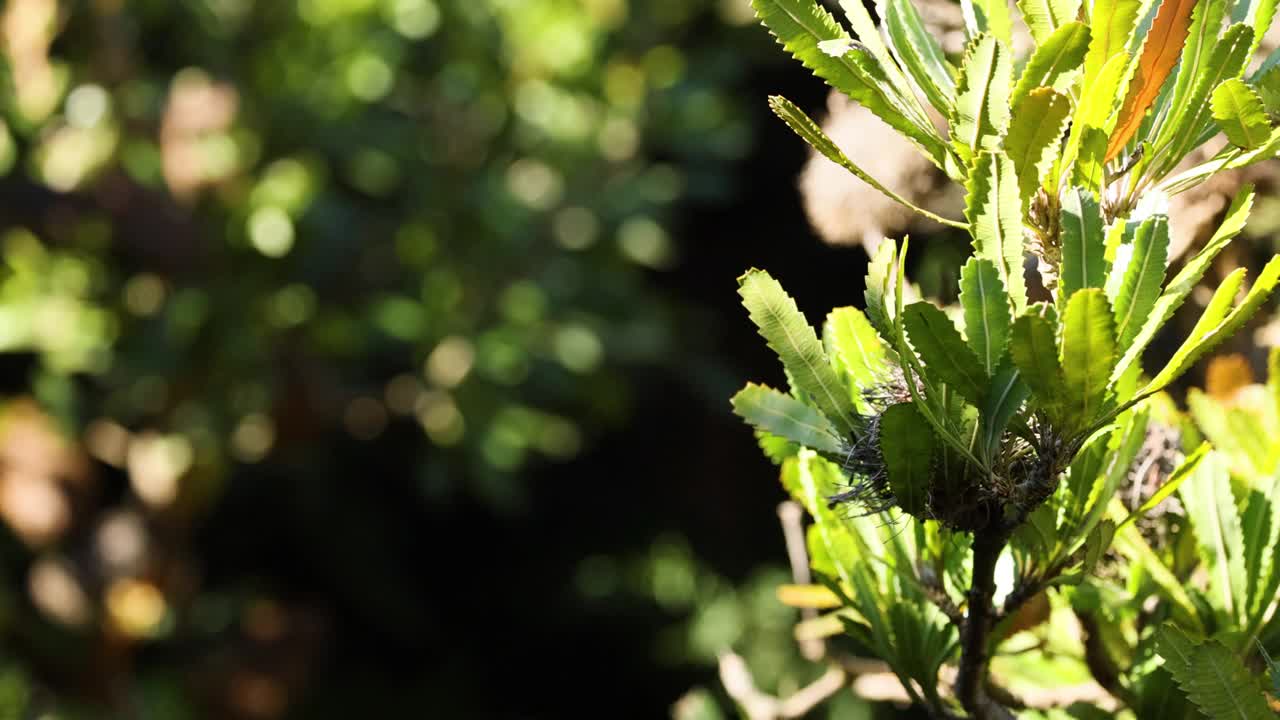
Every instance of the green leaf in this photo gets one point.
(1121, 452)
(1211, 508)
(1035, 352)
(1268, 86)
(806, 128)
(986, 312)
(1091, 124)
(988, 16)
(945, 355)
(1110, 24)
(856, 348)
(1130, 543)
(878, 293)
(1238, 111)
(1175, 480)
(908, 446)
(1142, 278)
(793, 339)
(784, 416)
(994, 210)
(1187, 278)
(1054, 62)
(1258, 14)
(1217, 323)
(1084, 263)
(920, 54)
(1213, 677)
(801, 25)
(1035, 134)
(1179, 134)
(1202, 36)
(1272, 668)
(1088, 353)
(1099, 541)
(981, 114)
(1007, 394)
(1045, 16)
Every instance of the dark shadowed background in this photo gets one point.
(372, 357)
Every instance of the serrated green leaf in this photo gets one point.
(1179, 135)
(1084, 262)
(1098, 543)
(1174, 481)
(987, 318)
(1213, 677)
(777, 449)
(1110, 24)
(1181, 285)
(1211, 508)
(811, 133)
(1258, 15)
(1260, 525)
(1229, 158)
(1239, 113)
(793, 339)
(943, 351)
(1142, 279)
(784, 416)
(1005, 396)
(1055, 61)
(1045, 16)
(878, 290)
(1217, 323)
(857, 350)
(988, 17)
(981, 114)
(1121, 452)
(1035, 134)
(1268, 86)
(1202, 36)
(994, 210)
(1130, 543)
(1034, 351)
(920, 54)
(908, 446)
(1088, 352)
(1082, 156)
(800, 25)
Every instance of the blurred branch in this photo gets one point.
(792, 517)
(737, 680)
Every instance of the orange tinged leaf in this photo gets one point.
(1164, 46)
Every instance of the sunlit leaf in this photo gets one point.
(1143, 277)
(987, 318)
(994, 210)
(981, 114)
(1238, 111)
(1084, 262)
(1088, 351)
(785, 416)
(1035, 133)
(797, 345)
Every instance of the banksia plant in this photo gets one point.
(932, 446)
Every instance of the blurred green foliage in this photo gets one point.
(242, 233)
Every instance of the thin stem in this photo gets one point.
(974, 640)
